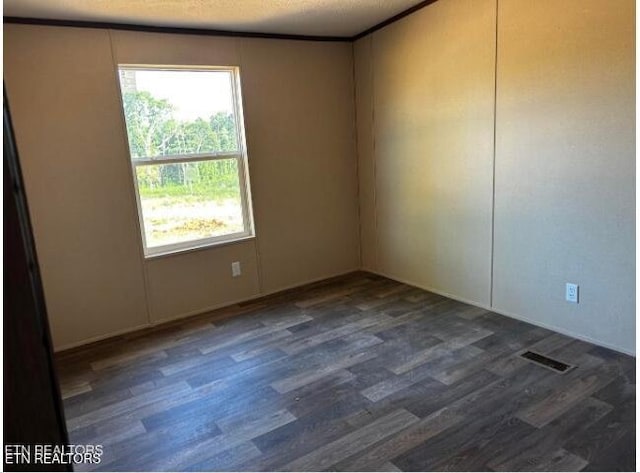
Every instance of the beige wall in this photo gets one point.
(433, 102)
(564, 158)
(62, 93)
(301, 136)
(565, 166)
(421, 195)
(298, 101)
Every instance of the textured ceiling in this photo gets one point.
(303, 17)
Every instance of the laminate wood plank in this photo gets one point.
(74, 389)
(399, 321)
(565, 396)
(449, 394)
(421, 431)
(337, 348)
(388, 466)
(432, 368)
(559, 402)
(496, 401)
(269, 369)
(323, 320)
(304, 343)
(226, 367)
(183, 418)
(497, 349)
(619, 456)
(387, 387)
(561, 460)
(223, 404)
(126, 376)
(507, 365)
(437, 351)
(474, 452)
(324, 387)
(228, 459)
(357, 283)
(597, 442)
(294, 441)
(341, 397)
(285, 321)
(198, 360)
(321, 299)
(228, 316)
(626, 364)
(94, 399)
(262, 331)
(370, 291)
(138, 452)
(165, 407)
(383, 298)
(406, 398)
(394, 353)
(408, 333)
(283, 313)
(225, 328)
(197, 326)
(393, 291)
(337, 450)
(551, 344)
(126, 405)
(117, 430)
(569, 352)
(541, 444)
(398, 308)
(502, 325)
(448, 326)
(245, 426)
(261, 347)
(205, 450)
(288, 384)
(471, 312)
(318, 424)
(490, 431)
(306, 379)
(152, 353)
(150, 385)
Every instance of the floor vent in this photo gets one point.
(555, 365)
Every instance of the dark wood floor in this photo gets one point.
(358, 373)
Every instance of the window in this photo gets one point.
(186, 140)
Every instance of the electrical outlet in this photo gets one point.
(572, 292)
(235, 269)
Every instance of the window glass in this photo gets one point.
(178, 112)
(190, 201)
(185, 139)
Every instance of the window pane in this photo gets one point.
(189, 201)
(178, 112)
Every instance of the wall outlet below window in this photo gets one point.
(572, 293)
(235, 269)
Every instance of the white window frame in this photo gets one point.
(240, 156)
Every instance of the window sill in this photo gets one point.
(203, 247)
